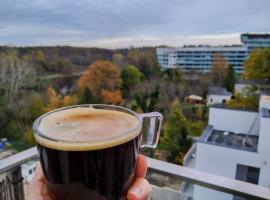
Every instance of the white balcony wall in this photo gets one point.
(233, 120)
(264, 139)
(223, 161)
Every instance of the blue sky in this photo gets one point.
(121, 23)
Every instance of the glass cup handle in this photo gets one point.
(151, 126)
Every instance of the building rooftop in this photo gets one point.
(219, 91)
(206, 48)
(229, 139)
(252, 82)
(226, 107)
(234, 140)
(256, 35)
(195, 97)
(223, 47)
(265, 97)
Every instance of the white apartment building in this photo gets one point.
(235, 144)
(200, 57)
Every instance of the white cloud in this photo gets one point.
(123, 42)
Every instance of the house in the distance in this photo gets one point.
(235, 144)
(194, 99)
(218, 95)
(243, 86)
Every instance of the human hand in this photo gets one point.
(140, 189)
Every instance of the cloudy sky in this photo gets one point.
(121, 23)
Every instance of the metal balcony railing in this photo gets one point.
(189, 157)
(11, 167)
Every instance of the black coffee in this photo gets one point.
(89, 154)
(100, 174)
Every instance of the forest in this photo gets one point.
(35, 80)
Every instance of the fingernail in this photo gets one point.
(135, 190)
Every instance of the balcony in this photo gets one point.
(176, 177)
(189, 159)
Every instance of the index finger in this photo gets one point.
(141, 166)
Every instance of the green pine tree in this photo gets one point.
(175, 134)
(230, 79)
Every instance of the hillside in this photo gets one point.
(80, 57)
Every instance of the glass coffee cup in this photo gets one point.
(89, 151)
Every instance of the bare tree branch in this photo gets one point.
(15, 73)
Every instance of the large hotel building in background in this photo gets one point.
(200, 57)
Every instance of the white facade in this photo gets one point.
(252, 41)
(28, 170)
(234, 120)
(223, 160)
(200, 57)
(217, 99)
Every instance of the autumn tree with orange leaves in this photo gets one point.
(219, 69)
(103, 81)
(56, 100)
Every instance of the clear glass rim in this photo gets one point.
(96, 106)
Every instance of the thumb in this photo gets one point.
(140, 190)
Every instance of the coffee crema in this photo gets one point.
(86, 128)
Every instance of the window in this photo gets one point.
(265, 112)
(248, 174)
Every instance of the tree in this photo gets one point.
(56, 100)
(119, 60)
(102, 79)
(61, 66)
(40, 57)
(174, 138)
(25, 112)
(175, 75)
(145, 96)
(15, 73)
(247, 100)
(111, 97)
(257, 66)
(230, 79)
(169, 90)
(145, 60)
(40, 62)
(219, 69)
(130, 76)
(19, 116)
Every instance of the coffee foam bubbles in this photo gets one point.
(85, 128)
